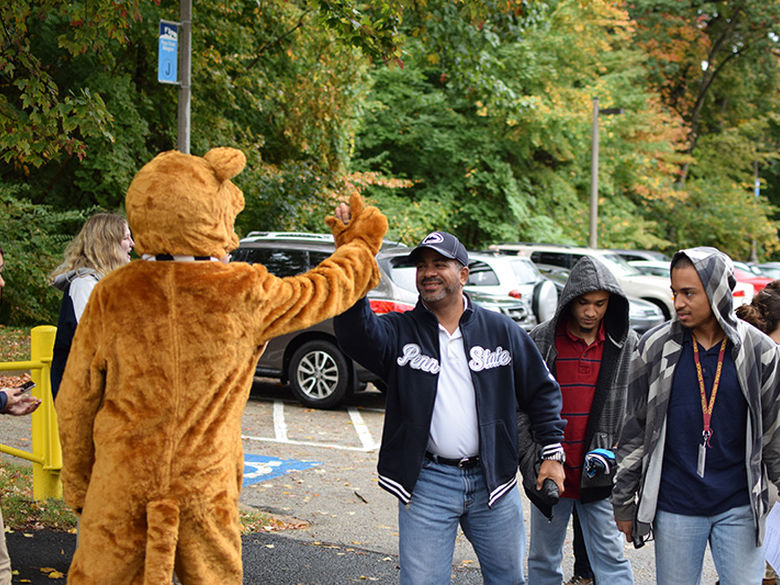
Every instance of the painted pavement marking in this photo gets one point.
(259, 468)
(280, 433)
(280, 426)
(362, 430)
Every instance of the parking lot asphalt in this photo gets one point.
(348, 524)
(43, 558)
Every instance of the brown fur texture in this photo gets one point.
(161, 368)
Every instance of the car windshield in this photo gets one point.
(618, 265)
(525, 271)
(770, 271)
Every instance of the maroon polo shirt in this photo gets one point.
(577, 370)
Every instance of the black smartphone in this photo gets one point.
(26, 386)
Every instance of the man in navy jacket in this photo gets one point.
(456, 375)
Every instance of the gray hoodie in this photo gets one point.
(609, 401)
(642, 442)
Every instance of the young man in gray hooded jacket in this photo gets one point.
(701, 440)
(587, 346)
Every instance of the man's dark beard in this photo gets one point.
(442, 294)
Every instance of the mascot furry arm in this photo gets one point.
(161, 367)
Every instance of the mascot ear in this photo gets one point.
(226, 162)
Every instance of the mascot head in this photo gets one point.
(182, 204)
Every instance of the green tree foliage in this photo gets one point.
(43, 118)
(82, 108)
(472, 116)
(33, 238)
(716, 65)
(490, 117)
(270, 78)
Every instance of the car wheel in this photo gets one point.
(319, 374)
(545, 300)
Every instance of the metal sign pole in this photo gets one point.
(594, 169)
(185, 67)
(757, 193)
(594, 176)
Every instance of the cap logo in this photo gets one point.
(433, 238)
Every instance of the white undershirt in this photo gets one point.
(79, 291)
(454, 429)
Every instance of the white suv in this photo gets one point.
(510, 276)
(654, 289)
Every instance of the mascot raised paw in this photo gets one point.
(161, 368)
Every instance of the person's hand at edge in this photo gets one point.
(19, 403)
(626, 527)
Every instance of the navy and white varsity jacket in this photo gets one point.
(506, 369)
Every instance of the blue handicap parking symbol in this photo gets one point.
(258, 468)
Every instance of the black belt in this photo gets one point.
(463, 462)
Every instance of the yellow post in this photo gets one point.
(45, 434)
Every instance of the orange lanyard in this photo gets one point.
(706, 409)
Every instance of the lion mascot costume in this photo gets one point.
(161, 368)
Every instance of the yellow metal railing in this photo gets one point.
(46, 454)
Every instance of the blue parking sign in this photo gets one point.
(261, 467)
(168, 52)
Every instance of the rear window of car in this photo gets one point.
(278, 262)
(481, 274)
(618, 265)
(317, 257)
(554, 258)
(403, 273)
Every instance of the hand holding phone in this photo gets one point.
(27, 386)
(18, 402)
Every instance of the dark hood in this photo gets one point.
(588, 275)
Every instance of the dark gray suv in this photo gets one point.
(310, 361)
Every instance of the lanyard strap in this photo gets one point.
(706, 409)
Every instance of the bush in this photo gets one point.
(33, 238)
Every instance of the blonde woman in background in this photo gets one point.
(103, 244)
(764, 314)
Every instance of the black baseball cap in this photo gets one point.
(445, 244)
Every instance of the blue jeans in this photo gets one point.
(445, 496)
(680, 542)
(602, 540)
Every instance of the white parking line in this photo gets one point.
(362, 430)
(280, 432)
(308, 443)
(280, 427)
